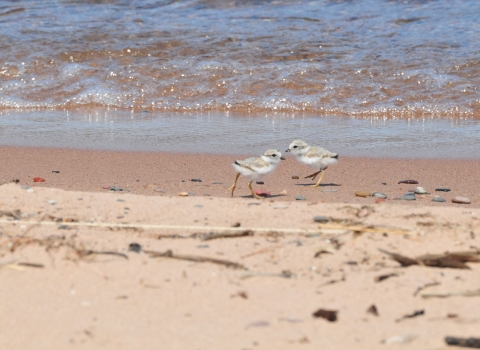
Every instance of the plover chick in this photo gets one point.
(255, 168)
(316, 157)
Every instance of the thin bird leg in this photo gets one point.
(232, 188)
(253, 192)
(314, 175)
(320, 179)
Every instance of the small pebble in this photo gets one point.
(52, 202)
(38, 179)
(295, 177)
(408, 197)
(379, 195)
(363, 194)
(410, 182)
(25, 187)
(217, 183)
(255, 203)
(30, 190)
(262, 193)
(203, 246)
(135, 247)
(260, 183)
(420, 190)
(120, 200)
(379, 200)
(183, 194)
(442, 189)
(438, 199)
(206, 195)
(196, 180)
(321, 218)
(106, 187)
(116, 188)
(384, 183)
(56, 171)
(198, 206)
(328, 190)
(300, 198)
(461, 200)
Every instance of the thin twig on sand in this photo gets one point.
(360, 228)
(213, 235)
(195, 258)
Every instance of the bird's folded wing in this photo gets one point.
(253, 163)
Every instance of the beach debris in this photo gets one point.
(116, 189)
(196, 180)
(261, 251)
(183, 194)
(260, 183)
(237, 224)
(384, 183)
(217, 183)
(466, 293)
(211, 235)
(284, 274)
(134, 247)
(421, 190)
(295, 177)
(106, 187)
(410, 196)
(379, 195)
(241, 294)
(324, 251)
(169, 254)
(431, 284)
(262, 193)
(412, 315)
(363, 194)
(300, 198)
(442, 189)
(52, 201)
(399, 339)
(461, 200)
(283, 193)
(360, 228)
(258, 324)
(379, 200)
(454, 260)
(38, 179)
(321, 218)
(34, 265)
(329, 315)
(373, 310)
(408, 182)
(463, 342)
(56, 171)
(438, 199)
(384, 277)
(329, 190)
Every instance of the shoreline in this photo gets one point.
(168, 174)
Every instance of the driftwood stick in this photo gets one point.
(213, 235)
(195, 258)
(463, 342)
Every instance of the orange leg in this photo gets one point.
(232, 188)
(253, 192)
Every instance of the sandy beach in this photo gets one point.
(84, 266)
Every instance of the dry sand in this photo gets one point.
(77, 294)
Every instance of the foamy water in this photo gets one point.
(377, 77)
(371, 57)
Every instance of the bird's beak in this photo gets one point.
(282, 158)
(288, 150)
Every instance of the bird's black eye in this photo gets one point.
(294, 146)
(274, 155)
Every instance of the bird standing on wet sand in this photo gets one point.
(316, 157)
(255, 168)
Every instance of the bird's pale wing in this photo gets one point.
(254, 163)
(318, 152)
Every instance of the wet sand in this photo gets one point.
(167, 174)
(69, 279)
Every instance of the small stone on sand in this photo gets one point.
(183, 194)
(295, 177)
(461, 200)
(321, 218)
(438, 199)
(363, 194)
(442, 189)
(300, 198)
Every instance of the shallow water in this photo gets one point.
(373, 77)
(358, 58)
(224, 132)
